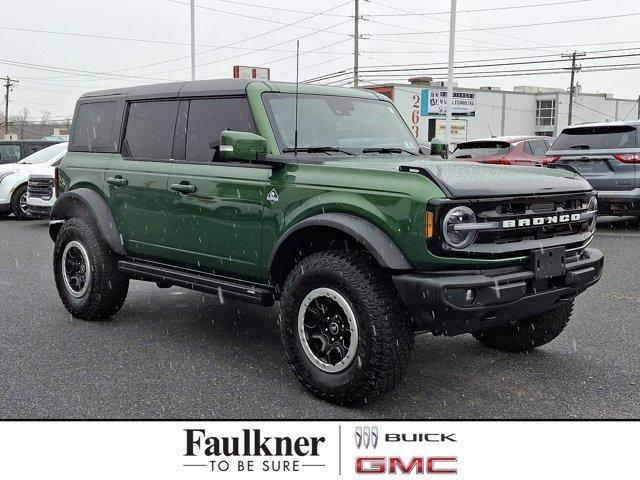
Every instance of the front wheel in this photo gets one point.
(345, 331)
(19, 205)
(86, 272)
(527, 334)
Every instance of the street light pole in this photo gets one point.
(193, 39)
(452, 43)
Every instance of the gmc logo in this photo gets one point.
(417, 465)
(539, 221)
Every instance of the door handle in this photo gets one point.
(118, 181)
(183, 187)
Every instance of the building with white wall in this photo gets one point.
(489, 111)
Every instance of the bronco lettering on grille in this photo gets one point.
(536, 221)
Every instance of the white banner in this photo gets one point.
(433, 101)
(313, 449)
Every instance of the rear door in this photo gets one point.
(137, 178)
(601, 154)
(215, 208)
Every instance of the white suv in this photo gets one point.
(14, 178)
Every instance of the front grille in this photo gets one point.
(40, 187)
(522, 235)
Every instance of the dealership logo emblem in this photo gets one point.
(366, 436)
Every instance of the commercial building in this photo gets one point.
(489, 111)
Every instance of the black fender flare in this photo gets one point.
(82, 202)
(378, 243)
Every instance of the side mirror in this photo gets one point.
(243, 146)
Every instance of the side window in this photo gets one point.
(150, 129)
(33, 148)
(538, 147)
(10, 153)
(57, 162)
(208, 118)
(94, 126)
(527, 148)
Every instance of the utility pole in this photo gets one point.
(452, 48)
(638, 107)
(193, 39)
(8, 83)
(574, 68)
(356, 36)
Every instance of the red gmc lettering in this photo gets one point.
(417, 465)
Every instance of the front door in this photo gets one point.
(137, 179)
(214, 214)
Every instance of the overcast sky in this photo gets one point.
(160, 51)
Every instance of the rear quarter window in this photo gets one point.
(597, 138)
(93, 127)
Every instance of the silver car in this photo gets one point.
(607, 155)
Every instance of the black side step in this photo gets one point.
(196, 281)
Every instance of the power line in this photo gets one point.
(522, 25)
(270, 20)
(255, 5)
(246, 40)
(476, 10)
(461, 24)
(382, 70)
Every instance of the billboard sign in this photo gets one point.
(433, 101)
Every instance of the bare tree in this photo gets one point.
(45, 116)
(20, 120)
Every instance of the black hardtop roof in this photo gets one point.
(228, 86)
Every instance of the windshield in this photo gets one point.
(604, 137)
(45, 155)
(481, 149)
(346, 123)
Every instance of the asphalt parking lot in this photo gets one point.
(180, 354)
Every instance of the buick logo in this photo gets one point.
(366, 436)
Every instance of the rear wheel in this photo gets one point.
(345, 331)
(86, 272)
(529, 333)
(19, 205)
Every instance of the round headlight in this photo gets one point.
(459, 238)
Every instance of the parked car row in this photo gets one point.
(26, 186)
(607, 155)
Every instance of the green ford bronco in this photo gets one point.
(324, 202)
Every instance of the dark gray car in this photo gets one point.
(607, 155)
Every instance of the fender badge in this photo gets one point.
(272, 197)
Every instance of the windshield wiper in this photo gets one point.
(315, 150)
(580, 147)
(387, 150)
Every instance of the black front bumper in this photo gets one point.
(438, 301)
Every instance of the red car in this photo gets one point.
(524, 150)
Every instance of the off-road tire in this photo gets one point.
(385, 337)
(107, 288)
(529, 333)
(15, 204)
